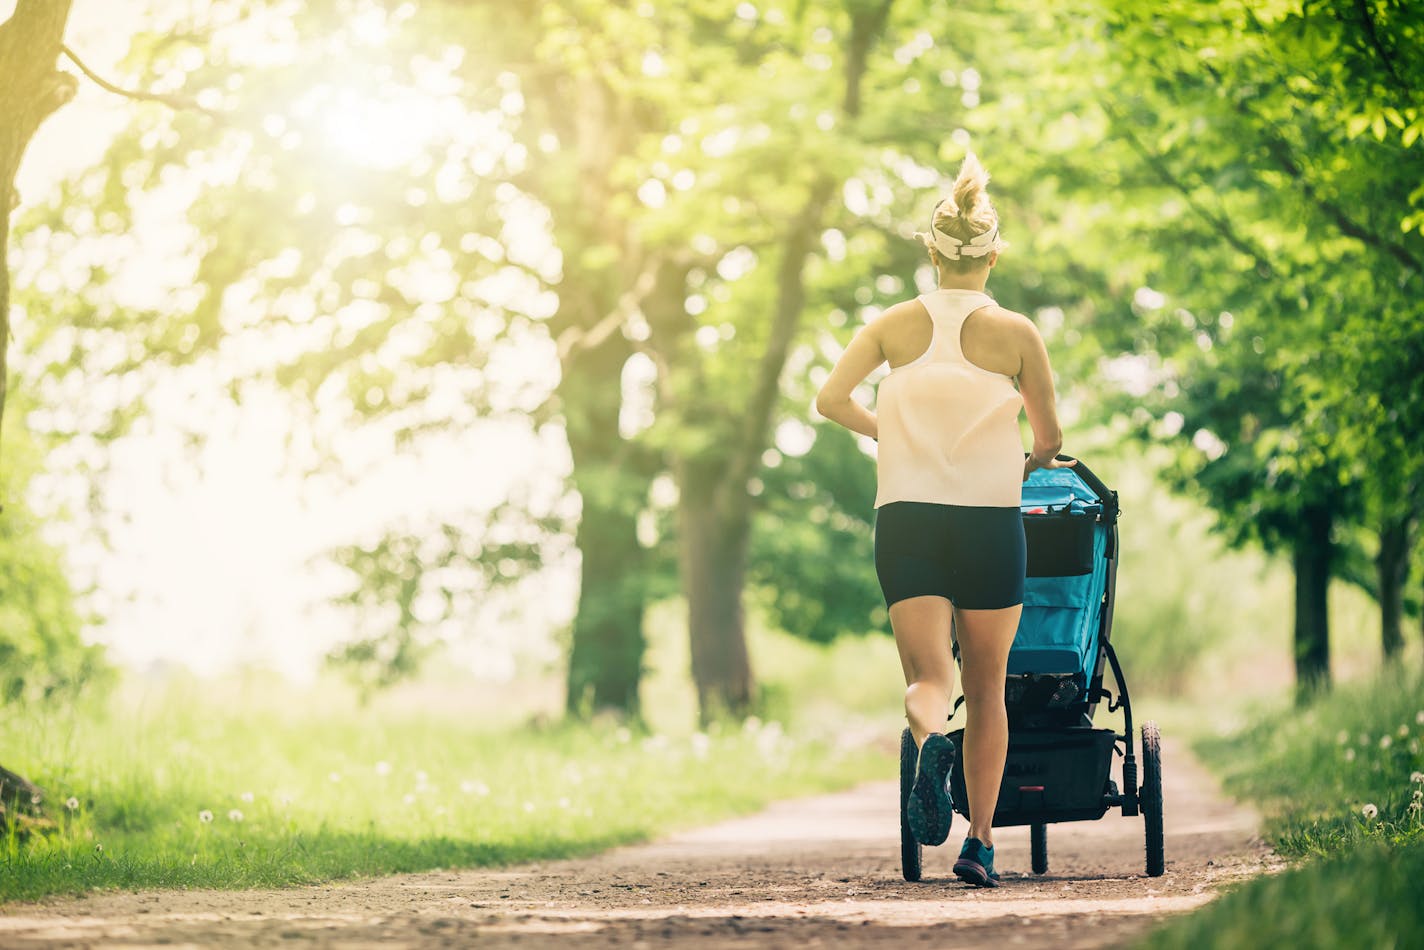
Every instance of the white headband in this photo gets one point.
(952, 248)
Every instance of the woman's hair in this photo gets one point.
(965, 215)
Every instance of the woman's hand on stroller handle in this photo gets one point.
(1031, 462)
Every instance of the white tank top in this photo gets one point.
(948, 430)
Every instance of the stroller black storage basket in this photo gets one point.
(1050, 775)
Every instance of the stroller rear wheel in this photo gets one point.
(1038, 841)
(1152, 797)
(910, 849)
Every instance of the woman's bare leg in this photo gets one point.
(921, 626)
(984, 639)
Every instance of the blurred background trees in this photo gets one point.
(644, 231)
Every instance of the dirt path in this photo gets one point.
(814, 872)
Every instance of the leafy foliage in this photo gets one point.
(43, 658)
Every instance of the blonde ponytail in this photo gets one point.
(965, 215)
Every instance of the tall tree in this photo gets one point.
(1296, 226)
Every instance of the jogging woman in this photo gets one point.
(949, 540)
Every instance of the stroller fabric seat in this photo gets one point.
(1067, 577)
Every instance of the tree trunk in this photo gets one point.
(31, 89)
(1313, 553)
(1392, 566)
(606, 656)
(713, 559)
(22, 806)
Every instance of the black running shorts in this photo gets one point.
(976, 557)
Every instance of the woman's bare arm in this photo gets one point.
(1036, 387)
(857, 362)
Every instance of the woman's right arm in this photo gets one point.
(860, 358)
(1036, 387)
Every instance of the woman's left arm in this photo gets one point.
(857, 362)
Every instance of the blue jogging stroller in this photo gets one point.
(1059, 765)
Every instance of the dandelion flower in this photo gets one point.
(72, 804)
(1417, 777)
(1419, 717)
(1342, 737)
(247, 797)
(1418, 794)
(421, 778)
(564, 802)
(335, 776)
(1403, 731)
(383, 768)
(409, 798)
(1386, 742)
(35, 799)
(529, 806)
(234, 815)
(1370, 811)
(205, 816)
(1349, 755)
(99, 848)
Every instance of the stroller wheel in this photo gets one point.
(1152, 797)
(910, 849)
(1038, 841)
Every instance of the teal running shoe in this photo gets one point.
(929, 811)
(976, 864)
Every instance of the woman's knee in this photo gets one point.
(985, 696)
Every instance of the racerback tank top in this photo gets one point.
(948, 430)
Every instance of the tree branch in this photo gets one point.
(867, 27)
(1280, 151)
(1372, 34)
(173, 102)
(801, 236)
(1220, 224)
(628, 304)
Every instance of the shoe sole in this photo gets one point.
(929, 811)
(972, 872)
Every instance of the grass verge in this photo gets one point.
(1341, 784)
(194, 788)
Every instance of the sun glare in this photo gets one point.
(380, 133)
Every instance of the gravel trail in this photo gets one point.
(813, 872)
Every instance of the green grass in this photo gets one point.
(1341, 785)
(1371, 899)
(305, 787)
(1317, 771)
